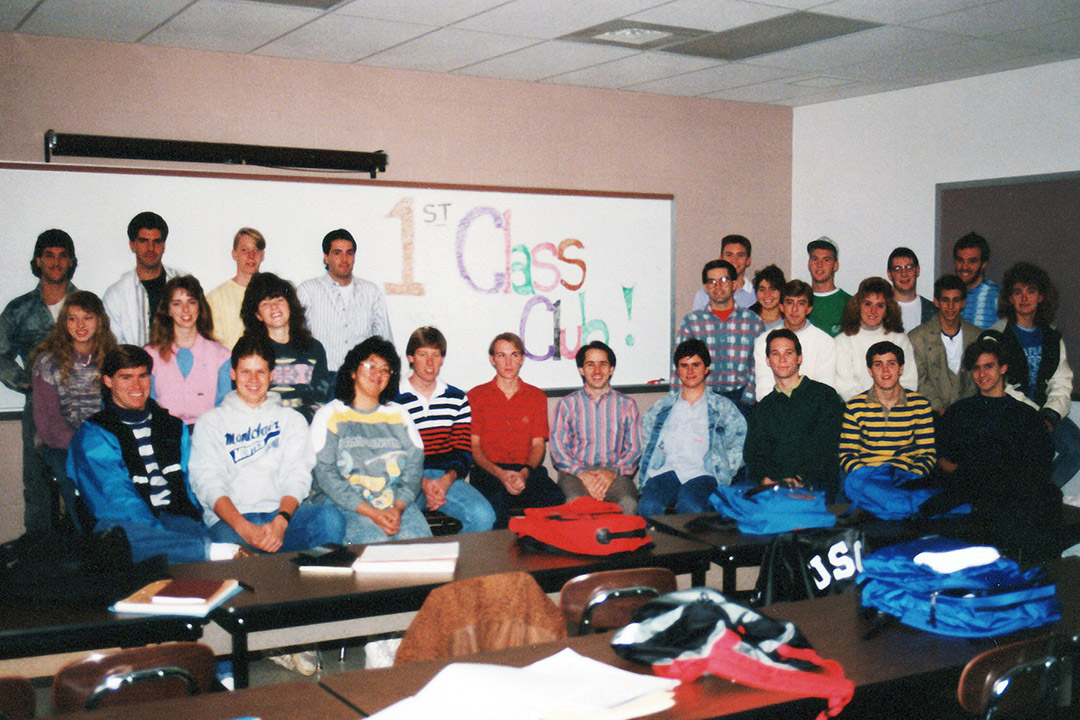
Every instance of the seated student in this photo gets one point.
(887, 431)
(693, 439)
(191, 370)
(1035, 357)
(939, 345)
(870, 317)
(768, 283)
(301, 378)
(251, 462)
(818, 347)
(369, 458)
(130, 465)
(794, 431)
(995, 452)
(596, 434)
(66, 383)
(442, 416)
(509, 435)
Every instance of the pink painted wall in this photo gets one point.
(727, 164)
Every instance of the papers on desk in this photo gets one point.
(195, 598)
(565, 686)
(419, 558)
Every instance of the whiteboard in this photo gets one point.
(557, 267)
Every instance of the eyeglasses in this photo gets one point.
(903, 268)
(718, 281)
(375, 369)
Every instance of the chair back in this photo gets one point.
(606, 600)
(492, 612)
(1020, 680)
(135, 675)
(17, 698)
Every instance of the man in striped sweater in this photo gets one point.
(887, 436)
(441, 413)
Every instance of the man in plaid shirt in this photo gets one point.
(729, 333)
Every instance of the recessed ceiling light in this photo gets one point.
(822, 82)
(633, 36)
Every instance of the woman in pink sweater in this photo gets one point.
(191, 370)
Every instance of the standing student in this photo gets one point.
(903, 269)
(768, 285)
(67, 383)
(872, 316)
(23, 324)
(272, 309)
(971, 253)
(191, 370)
(248, 251)
(132, 300)
(369, 458)
(736, 251)
(829, 300)
(939, 346)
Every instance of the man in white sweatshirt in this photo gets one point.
(251, 462)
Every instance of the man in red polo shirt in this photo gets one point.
(509, 436)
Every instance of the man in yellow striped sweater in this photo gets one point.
(887, 440)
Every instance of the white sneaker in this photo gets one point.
(285, 661)
(306, 662)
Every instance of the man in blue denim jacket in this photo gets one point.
(693, 439)
(23, 324)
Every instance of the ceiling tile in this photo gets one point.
(340, 38)
(447, 49)
(839, 93)
(228, 26)
(708, 81)
(895, 12)
(857, 47)
(545, 60)
(934, 61)
(424, 12)
(1003, 65)
(712, 15)
(632, 70)
(1063, 35)
(767, 92)
(117, 20)
(12, 12)
(551, 18)
(1001, 17)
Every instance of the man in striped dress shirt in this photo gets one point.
(596, 434)
(887, 436)
(729, 333)
(342, 310)
(442, 416)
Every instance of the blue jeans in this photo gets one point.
(360, 530)
(540, 491)
(1067, 447)
(661, 490)
(181, 539)
(463, 502)
(311, 526)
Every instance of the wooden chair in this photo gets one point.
(492, 612)
(1026, 679)
(17, 698)
(606, 600)
(136, 675)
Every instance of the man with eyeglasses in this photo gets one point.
(903, 269)
(509, 436)
(728, 332)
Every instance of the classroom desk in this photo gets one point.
(833, 625)
(283, 598)
(296, 700)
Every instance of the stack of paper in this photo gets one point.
(419, 558)
(565, 686)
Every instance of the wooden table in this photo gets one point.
(297, 700)
(284, 598)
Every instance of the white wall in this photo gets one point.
(865, 169)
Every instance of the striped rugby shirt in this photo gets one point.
(902, 437)
(445, 425)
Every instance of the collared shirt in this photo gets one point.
(981, 308)
(339, 319)
(445, 425)
(596, 433)
(902, 436)
(506, 426)
(731, 347)
(684, 439)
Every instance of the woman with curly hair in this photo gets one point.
(191, 370)
(301, 377)
(871, 316)
(66, 381)
(369, 456)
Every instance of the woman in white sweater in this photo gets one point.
(871, 316)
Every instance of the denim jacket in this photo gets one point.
(23, 325)
(727, 434)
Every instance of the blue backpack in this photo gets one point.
(761, 510)
(981, 601)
